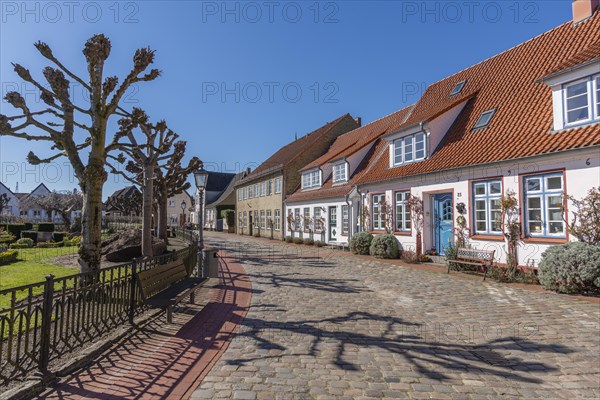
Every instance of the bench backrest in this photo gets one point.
(157, 279)
(475, 254)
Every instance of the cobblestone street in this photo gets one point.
(332, 325)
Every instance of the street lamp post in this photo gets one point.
(200, 176)
(183, 206)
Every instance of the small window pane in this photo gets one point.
(457, 88)
(495, 187)
(555, 201)
(535, 215)
(481, 226)
(556, 227)
(577, 89)
(578, 115)
(554, 215)
(480, 205)
(554, 183)
(533, 184)
(534, 202)
(480, 189)
(535, 227)
(577, 102)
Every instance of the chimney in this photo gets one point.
(358, 121)
(248, 170)
(583, 9)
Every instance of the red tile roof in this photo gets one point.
(509, 82)
(346, 145)
(289, 152)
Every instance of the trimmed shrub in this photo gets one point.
(318, 243)
(3, 248)
(360, 243)
(45, 227)
(19, 246)
(29, 235)
(410, 256)
(8, 257)
(49, 245)
(28, 226)
(384, 246)
(26, 241)
(571, 268)
(289, 239)
(15, 229)
(58, 236)
(298, 240)
(309, 241)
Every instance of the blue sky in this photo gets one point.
(241, 78)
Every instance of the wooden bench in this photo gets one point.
(482, 258)
(166, 285)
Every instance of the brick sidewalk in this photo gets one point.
(167, 361)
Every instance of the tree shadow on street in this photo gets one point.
(434, 357)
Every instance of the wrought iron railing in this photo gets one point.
(44, 321)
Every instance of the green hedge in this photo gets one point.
(19, 246)
(58, 236)
(49, 245)
(8, 257)
(15, 229)
(45, 227)
(29, 235)
(28, 226)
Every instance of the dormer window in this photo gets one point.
(311, 179)
(409, 149)
(458, 88)
(575, 95)
(340, 172)
(581, 101)
(484, 119)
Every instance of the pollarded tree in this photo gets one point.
(585, 224)
(71, 122)
(61, 203)
(171, 180)
(145, 159)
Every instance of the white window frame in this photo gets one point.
(239, 194)
(263, 221)
(317, 216)
(345, 220)
(479, 125)
(543, 194)
(269, 217)
(593, 100)
(277, 185)
(306, 218)
(277, 220)
(270, 187)
(399, 147)
(340, 174)
(487, 197)
(376, 211)
(251, 191)
(402, 220)
(311, 179)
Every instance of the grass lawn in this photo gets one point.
(33, 266)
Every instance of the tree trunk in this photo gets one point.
(162, 215)
(91, 219)
(147, 192)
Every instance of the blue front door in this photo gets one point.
(442, 221)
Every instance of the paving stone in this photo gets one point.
(354, 327)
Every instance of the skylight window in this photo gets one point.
(458, 88)
(484, 119)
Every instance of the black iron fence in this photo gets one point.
(44, 321)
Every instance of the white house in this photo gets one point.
(12, 209)
(525, 121)
(322, 207)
